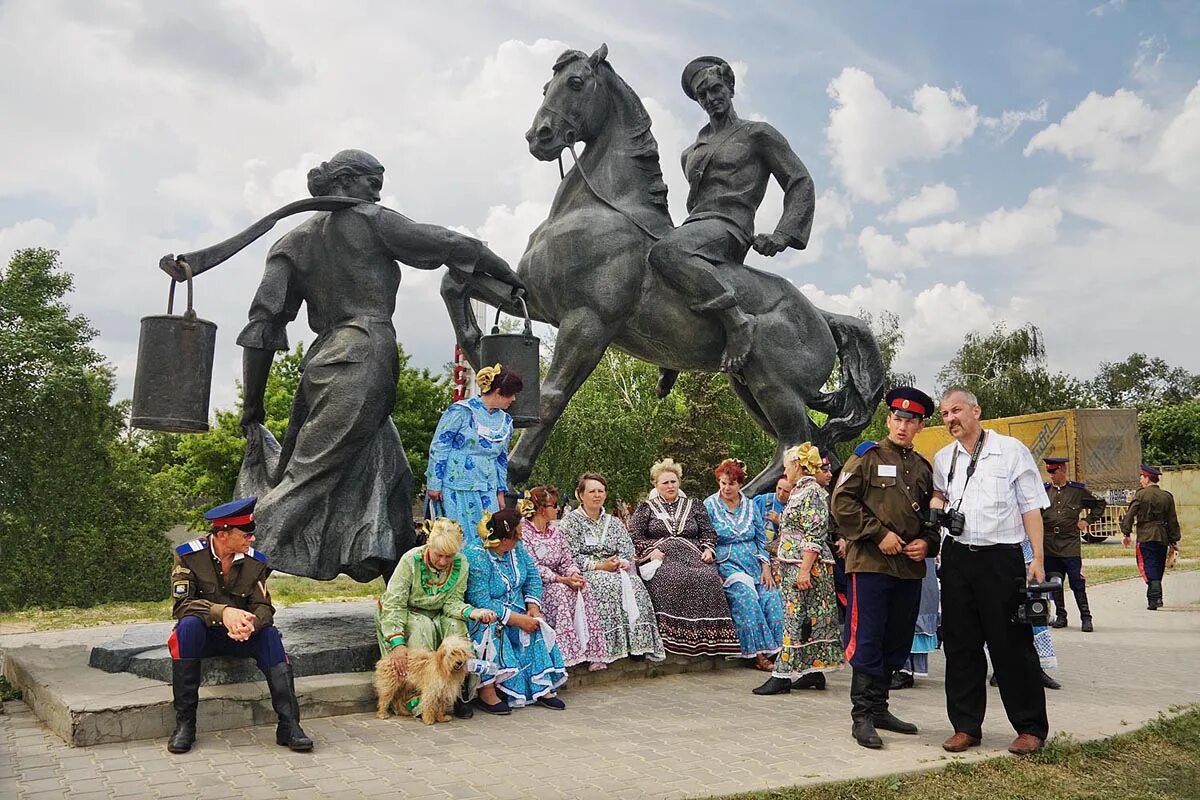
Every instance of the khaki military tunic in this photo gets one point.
(876, 493)
(1060, 519)
(1153, 509)
(199, 589)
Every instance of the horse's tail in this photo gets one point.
(851, 406)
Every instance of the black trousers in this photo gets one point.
(980, 593)
(880, 619)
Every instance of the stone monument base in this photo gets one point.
(82, 695)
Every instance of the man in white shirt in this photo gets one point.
(993, 481)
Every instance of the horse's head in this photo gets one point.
(574, 107)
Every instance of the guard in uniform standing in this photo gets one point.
(1071, 506)
(880, 504)
(1153, 509)
(219, 585)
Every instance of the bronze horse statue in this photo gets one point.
(585, 272)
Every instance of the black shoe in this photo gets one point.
(500, 709)
(880, 715)
(774, 686)
(1086, 625)
(902, 680)
(887, 721)
(1059, 621)
(185, 686)
(462, 709)
(552, 702)
(282, 685)
(1049, 682)
(813, 680)
(864, 733)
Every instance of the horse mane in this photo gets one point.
(641, 145)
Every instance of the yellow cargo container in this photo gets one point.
(1102, 443)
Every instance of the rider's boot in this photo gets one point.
(739, 338)
(666, 381)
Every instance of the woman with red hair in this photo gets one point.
(745, 566)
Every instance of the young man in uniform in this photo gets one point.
(219, 585)
(880, 502)
(1157, 532)
(1071, 506)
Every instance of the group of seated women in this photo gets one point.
(539, 594)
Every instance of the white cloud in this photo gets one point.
(834, 213)
(930, 201)
(1009, 121)
(1105, 131)
(1178, 153)
(869, 136)
(884, 254)
(1147, 64)
(1000, 232)
(1107, 7)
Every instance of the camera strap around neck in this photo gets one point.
(975, 453)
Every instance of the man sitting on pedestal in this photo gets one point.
(221, 601)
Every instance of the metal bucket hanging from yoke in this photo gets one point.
(521, 353)
(174, 369)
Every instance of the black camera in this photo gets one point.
(1034, 605)
(938, 518)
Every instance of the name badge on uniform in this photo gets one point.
(886, 470)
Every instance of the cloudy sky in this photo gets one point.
(975, 162)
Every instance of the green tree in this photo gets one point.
(1142, 382)
(1006, 369)
(80, 520)
(1171, 434)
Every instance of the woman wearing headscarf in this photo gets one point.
(675, 548)
(603, 552)
(568, 603)
(468, 457)
(812, 641)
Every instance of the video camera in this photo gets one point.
(1034, 606)
(937, 518)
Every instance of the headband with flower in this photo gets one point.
(526, 507)
(808, 456)
(487, 536)
(485, 376)
(732, 461)
(426, 527)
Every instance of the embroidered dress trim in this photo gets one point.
(427, 583)
(481, 417)
(738, 521)
(673, 521)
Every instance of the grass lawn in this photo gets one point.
(1159, 761)
(1189, 547)
(285, 591)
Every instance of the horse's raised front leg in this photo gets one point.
(582, 339)
(457, 292)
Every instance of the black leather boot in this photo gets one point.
(902, 680)
(861, 708)
(185, 686)
(813, 680)
(1060, 607)
(774, 686)
(1154, 595)
(880, 715)
(288, 732)
(1085, 612)
(462, 705)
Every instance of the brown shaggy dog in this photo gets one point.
(436, 676)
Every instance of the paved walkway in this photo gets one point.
(679, 736)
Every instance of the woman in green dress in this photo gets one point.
(423, 602)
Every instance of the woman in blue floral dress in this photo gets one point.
(468, 458)
(812, 639)
(503, 578)
(745, 566)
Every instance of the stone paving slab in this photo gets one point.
(688, 735)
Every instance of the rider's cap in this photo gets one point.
(234, 514)
(1150, 472)
(697, 65)
(1055, 463)
(909, 403)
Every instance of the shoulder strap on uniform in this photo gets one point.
(1076, 484)
(1045, 484)
(865, 448)
(194, 546)
(258, 555)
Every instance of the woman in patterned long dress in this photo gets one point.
(568, 602)
(504, 578)
(745, 566)
(603, 552)
(812, 640)
(468, 457)
(675, 546)
(423, 603)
